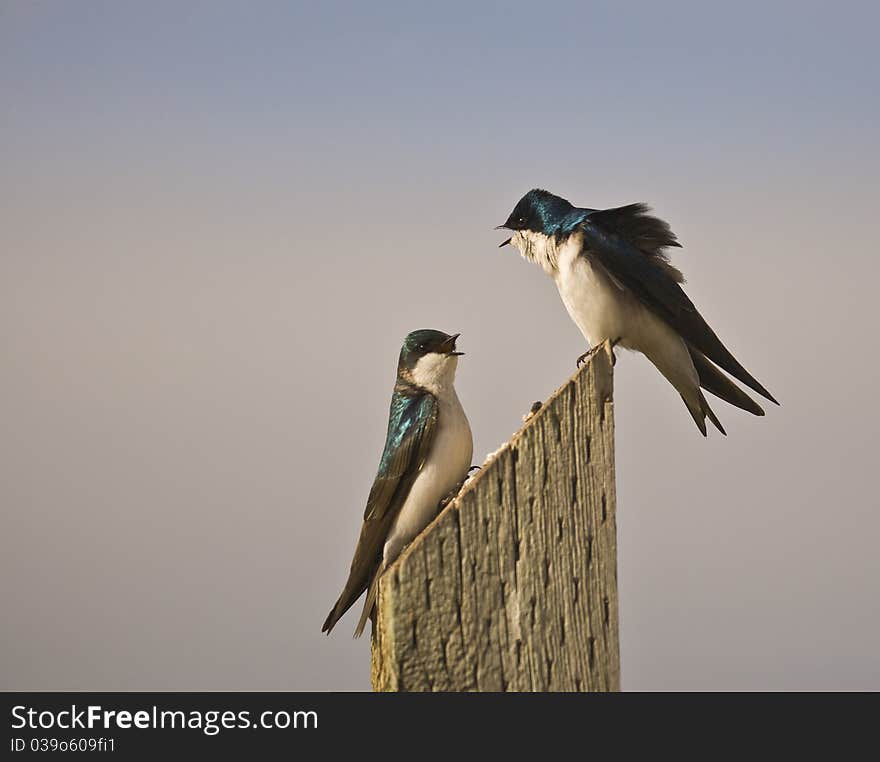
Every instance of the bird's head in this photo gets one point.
(539, 211)
(537, 217)
(429, 358)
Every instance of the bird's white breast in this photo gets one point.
(593, 301)
(446, 466)
(598, 306)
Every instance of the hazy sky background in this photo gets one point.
(218, 221)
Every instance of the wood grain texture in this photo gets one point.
(513, 587)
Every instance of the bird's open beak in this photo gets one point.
(503, 227)
(448, 346)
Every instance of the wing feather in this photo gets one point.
(653, 286)
(411, 428)
(410, 434)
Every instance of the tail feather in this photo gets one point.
(697, 413)
(711, 414)
(339, 608)
(710, 345)
(715, 382)
(348, 598)
(369, 603)
(700, 410)
(353, 590)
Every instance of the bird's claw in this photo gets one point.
(592, 350)
(586, 355)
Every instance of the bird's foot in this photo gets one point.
(592, 350)
(586, 355)
(473, 468)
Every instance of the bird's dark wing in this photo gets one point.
(656, 289)
(411, 427)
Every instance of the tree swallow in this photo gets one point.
(615, 279)
(427, 455)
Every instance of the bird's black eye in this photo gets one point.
(522, 221)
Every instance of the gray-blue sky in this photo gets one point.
(218, 221)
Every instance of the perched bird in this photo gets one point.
(611, 270)
(427, 455)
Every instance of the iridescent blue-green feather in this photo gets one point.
(411, 424)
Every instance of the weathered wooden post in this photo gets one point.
(513, 587)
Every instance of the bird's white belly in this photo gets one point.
(595, 304)
(602, 310)
(446, 466)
